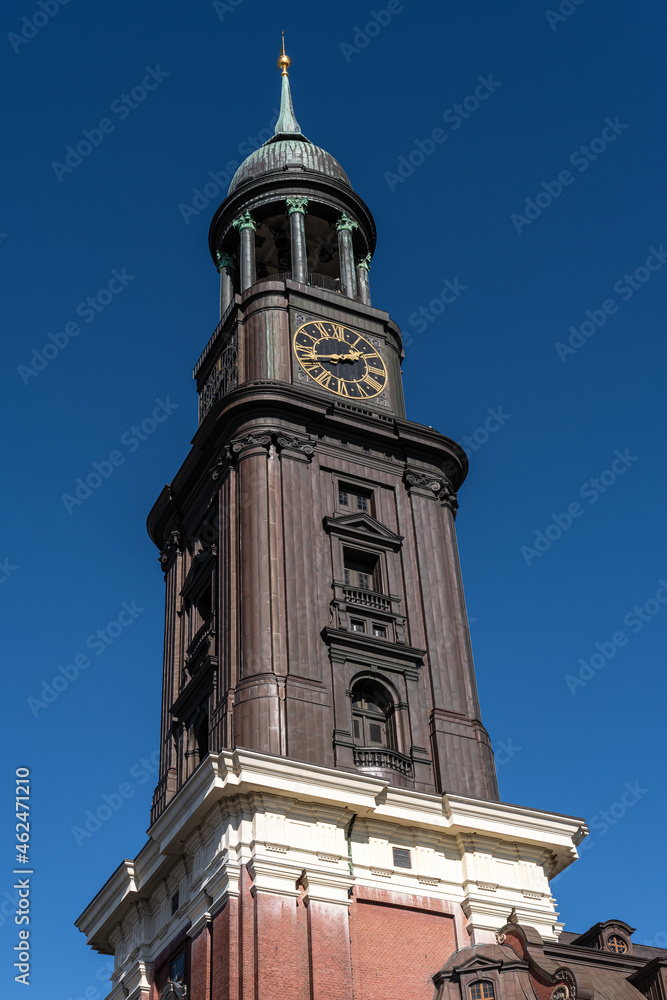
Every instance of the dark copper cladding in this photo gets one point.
(288, 154)
(263, 648)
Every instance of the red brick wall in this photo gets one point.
(397, 948)
(331, 971)
(200, 959)
(276, 947)
(385, 946)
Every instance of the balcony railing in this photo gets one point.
(382, 757)
(216, 333)
(367, 599)
(202, 642)
(315, 279)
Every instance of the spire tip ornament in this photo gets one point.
(284, 61)
(287, 125)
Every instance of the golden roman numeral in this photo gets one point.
(373, 384)
(342, 389)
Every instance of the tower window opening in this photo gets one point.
(177, 968)
(372, 715)
(353, 499)
(201, 738)
(482, 990)
(321, 247)
(361, 570)
(204, 603)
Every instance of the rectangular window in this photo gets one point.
(361, 570)
(402, 858)
(380, 631)
(351, 499)
(177, 968)
(358, 626)
(375, 732)
(174, 903)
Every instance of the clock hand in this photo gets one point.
(335, 358)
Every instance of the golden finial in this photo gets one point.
(284, 62)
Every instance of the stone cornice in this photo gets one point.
(271, 403)
(243, 772)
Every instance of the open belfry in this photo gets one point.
(327, 824)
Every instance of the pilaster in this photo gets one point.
(226, 264)
(246, 227)
(363, 266)
(345, 227)
(296, 212)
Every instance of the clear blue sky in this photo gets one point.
(553, 86)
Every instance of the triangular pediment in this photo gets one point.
(362, 525)
(477, 963)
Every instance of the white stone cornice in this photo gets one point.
(251, 801)
(328, 887)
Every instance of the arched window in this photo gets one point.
(372, 715)
(481, 990)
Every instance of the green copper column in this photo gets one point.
(247, 227)
(345, 227)
(296, 212)
(363, 267)
(226, 265)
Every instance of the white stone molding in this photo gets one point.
(288, 822)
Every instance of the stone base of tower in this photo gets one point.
(267, 878)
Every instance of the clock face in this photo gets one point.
(340, 360)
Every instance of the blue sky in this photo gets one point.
(540, 200)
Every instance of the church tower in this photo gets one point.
(326, 821)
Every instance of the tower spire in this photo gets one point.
(287, 124)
